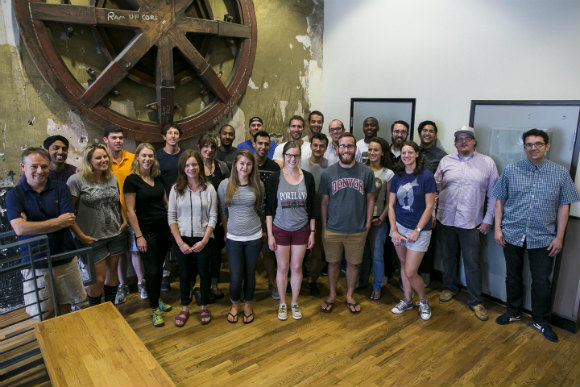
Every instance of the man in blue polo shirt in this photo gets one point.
(531, 213)
(44, 206)
(255, 125)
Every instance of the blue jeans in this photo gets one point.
(541, 268)
(453, 239)
(243, 257)
(377, 237)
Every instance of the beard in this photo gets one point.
(346, 160)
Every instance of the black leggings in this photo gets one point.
(188, 263)
(158, 242)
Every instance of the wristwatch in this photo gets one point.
(418, 229)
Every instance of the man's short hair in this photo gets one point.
(347, 134)
(34, 150)
(404, 123)
(339, 121)
(226, 126)
(52, 139)
(297, 118)
(425, 123)
(374, 119)
(319, 136)
(169, 126)
(536, 132)
(262, 133)
(112, 129)
(315, 112)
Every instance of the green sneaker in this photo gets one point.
(164, 307)
(158, 318)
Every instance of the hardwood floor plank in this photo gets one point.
(373, 348)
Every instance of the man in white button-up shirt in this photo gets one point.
(464, 180)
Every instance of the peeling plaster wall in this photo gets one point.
(286, 80)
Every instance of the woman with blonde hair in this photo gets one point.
(192, 218)
(146, 204)
(241, 201)
(100, 221)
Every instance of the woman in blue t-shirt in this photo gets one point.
(411, 203)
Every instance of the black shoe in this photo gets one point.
(314, 291)
(547, 331)
(507, 318)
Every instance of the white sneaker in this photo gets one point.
(282, 312)
(122, 291)
(402, 306)
(296, 312)
(142, 291)
(424, 310)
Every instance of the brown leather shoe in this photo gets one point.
(446, 295)
(480, 312)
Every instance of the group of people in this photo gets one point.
(334, 200)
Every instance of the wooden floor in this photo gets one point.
(374, 348)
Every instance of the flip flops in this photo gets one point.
(327, 306)
(352, 307)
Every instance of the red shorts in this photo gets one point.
(291, 238)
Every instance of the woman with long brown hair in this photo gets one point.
(192, 217)
(241, 200)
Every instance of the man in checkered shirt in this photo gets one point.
(531, 213)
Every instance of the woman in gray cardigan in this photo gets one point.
(192, 216)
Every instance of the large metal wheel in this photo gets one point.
(141, 64)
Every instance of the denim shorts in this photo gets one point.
(421, 245)
(110, 246)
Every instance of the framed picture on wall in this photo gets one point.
(385, 110)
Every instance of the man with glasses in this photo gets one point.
(336, 129)
(347, 190)
(427, 131)
(399, 133)
(531, 213)
(295, 130)
(464, 180)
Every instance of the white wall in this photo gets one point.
(445, 53)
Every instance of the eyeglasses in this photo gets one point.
(427, 130)
(462, 140)
(346, 146)
(400, 131)
(334, 129)
(292, 156)
(535, 144)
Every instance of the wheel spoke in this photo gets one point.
(164, 82)
(215, 27)
(201, 67)
(117, 70)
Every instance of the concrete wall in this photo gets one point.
(286, 80)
